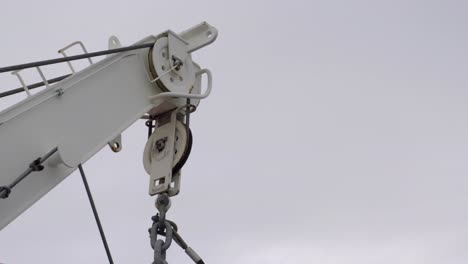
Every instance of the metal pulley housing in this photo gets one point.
(166, 151)
(182, 148)
(174, 70)
(170, 59)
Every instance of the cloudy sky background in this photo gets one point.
(337, 132)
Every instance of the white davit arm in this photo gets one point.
(76, 117)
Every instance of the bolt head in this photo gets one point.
(161, 144)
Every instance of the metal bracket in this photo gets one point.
(114, 43)
(180, 45)
(177, 50)
(199, 36)
(116, 144)
(171, 67)
(175, 187)
(62, 51)
(25, 87)
(159, 152)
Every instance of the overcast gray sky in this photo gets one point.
(336, 133)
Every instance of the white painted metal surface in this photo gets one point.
(80, 115)
(158, 161)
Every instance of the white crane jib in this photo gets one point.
(49, 134)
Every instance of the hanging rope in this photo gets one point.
(96, 215)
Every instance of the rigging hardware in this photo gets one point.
(95, 213)
(168, 229)
(33, 86)
(73, 58)
(35, 165)
(155, 79)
